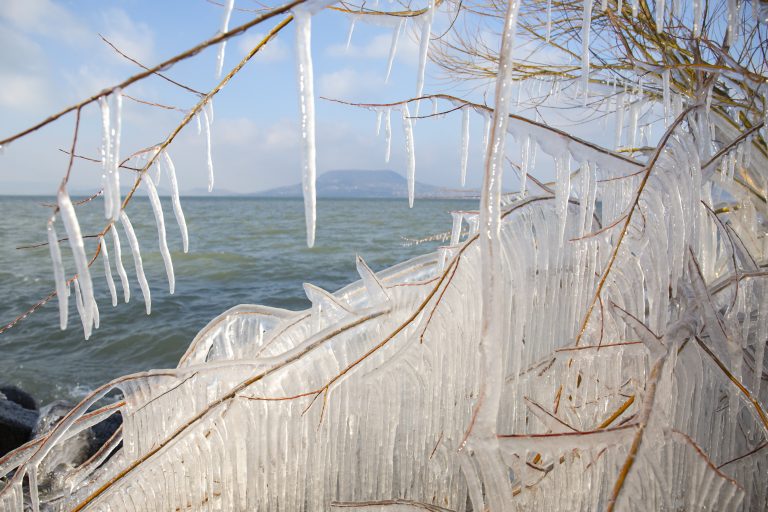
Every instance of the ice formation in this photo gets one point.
(596, 345)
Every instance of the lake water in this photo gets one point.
(242, 250)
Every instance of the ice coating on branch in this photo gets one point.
(134, 243)
(108, 271)
(75, 236)
(119, 264)
(411, 153)
(62, 289)
(305, 81)
(464, 144)
(157, 209)
(393, 48)
(209, 161)
(228, 5)
(177, 211)
(377, 295)
(388, 134)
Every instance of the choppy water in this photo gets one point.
(242, 250)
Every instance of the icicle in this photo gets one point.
(586, 22)
(157, 209)
(491, 348)
(199, 125)
(665, 97)
(62, 290)
(604, 5)
(178, 212)
(526, 164)
(634, 114)
(209, 161)
(81, 309)
(486, 132)
(379, 113)
(393, 48)
(388, 134)
(410, 150)
(549, 18)
(733, 15)
(464, 144)
(119, 264)
(696, 18)
(351, 30)
(117, 203)
(78, 252)
(134, 243)
(108, 271)
(458, 218)
(106, 157)
(619, 120)
(426, 31)
(307, 110)
(634, 8)
(659, 16)
(228, 5)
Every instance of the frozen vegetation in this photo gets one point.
(592, 343)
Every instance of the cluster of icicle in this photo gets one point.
(115, 214)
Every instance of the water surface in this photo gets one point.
(242, 250)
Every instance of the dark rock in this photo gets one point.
(19, 396)
(16, 425)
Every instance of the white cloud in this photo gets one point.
(44, 17)
(135, 39)
(349, 84)
(273, 51)
(23, 92)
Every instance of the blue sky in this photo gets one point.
(52, 56)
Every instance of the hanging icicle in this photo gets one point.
(209, 161)
(157, 209)
(62, 289)
(586, 23)
(307, 112)
(75, 236)
(351, 31)
(117, 203)
(393, 48)
(108, 271)
(228, 5)
(134, 243)
(464, 144)
(176, 202)
(410, 150)
(388, 134)
(119, 264)
(425, 22)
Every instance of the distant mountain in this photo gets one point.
(379, 184)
